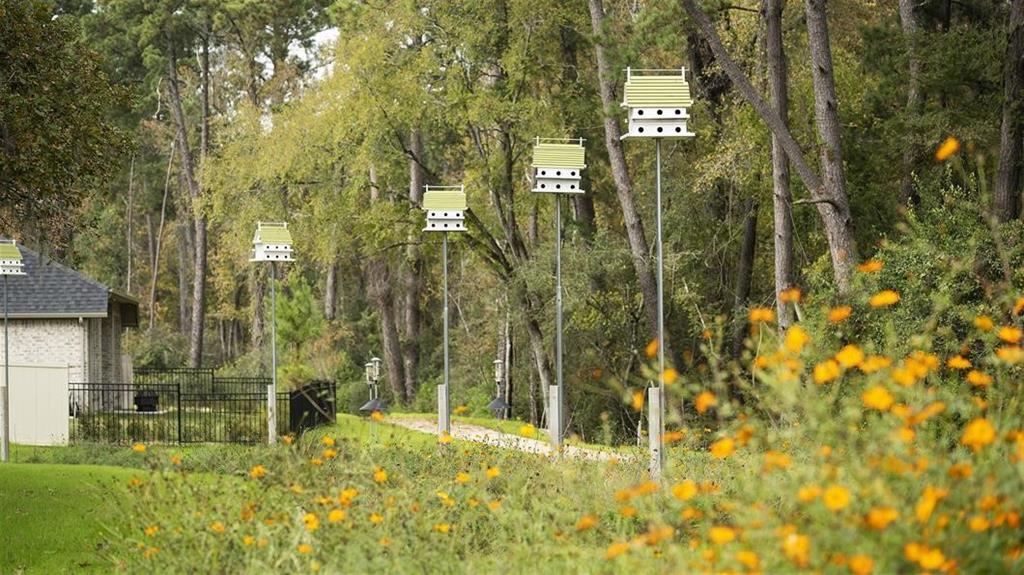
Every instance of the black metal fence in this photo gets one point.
(221, 410)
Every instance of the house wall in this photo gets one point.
(48, 342)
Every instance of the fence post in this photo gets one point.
(178, 385)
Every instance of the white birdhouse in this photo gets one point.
(11, 263)
(658, 102)
(558, 166)
(445, 207)
(272, 243)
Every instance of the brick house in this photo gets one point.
(59, 316)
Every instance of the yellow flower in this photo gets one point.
(723, 448)
(311, 521)
(880, 517)
(380, 476)
(139, 448)
(316, 462)
(329, 453)
(791, 295)
(796, 339)
(305, 548)
(492, 472)
(877, 397)
(839, 314)
(761, 315)
(586, 522)
(151, 530)
(826, 371)
(528, 430)
(376, 518)
(444, 439)
(442, 527)
(720, 535)
(384, 541)
(808, 493)
(874, 363)
(948, 147)
(218, 527)
(978, 434)
(979, 523)
(958, 362)
(850, 356)
(1011, 354)
(258, 471)
(748, 559)
(176, 460)
(960, 470)
(336, 515)
(652, 348)
(1010, 334)
(673, 436)
(775, 460)
(704, 401)
(377, 416)
(931, 559)
(248, 540)
(978, 378)
(836, 497)
(884, 298)
(616, 549)
(328, 441)
(684, 491)
(861, 565)
(638, 400)
(870, 266)
(627, 511)
(669, 376)
(984, 323)
(797, 548)
(928, 501)
(462, 477)
(460, 409)
(288, 439)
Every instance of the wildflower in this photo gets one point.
(462, 477)
(586, 522)
(1010, 334)
(616, 549)
(669, 376)
(791, 295)
(839, 314)
(685, 490)
(377, 416)
(652, 348)
(850, 356)
(316, 462)
(874, 363)
(528, 430)
(311, 521)
(808, 493)
(288, 439)
(248, 540)
(904, 434)
(473, 502)
(329, 453)
(175, 460)
(960, 470)
(948, 147)
(1011, 354)
(444, 439)
(870, 266)
(673, 436)
(797, 548)
(904, 377)
(723, 448)
(984, 323)
(150, 552)
(336, 515)
(258, 471)
(861, 565)
(376, 518)
(627, 511)
(218, 527)
(139, 448)
(328, 441)
(638, 400)
(748, 559)
(704, 401)
(884, 298)
(836, 497)
(978, 378)
(877, 397)
(492, 472)
(380, 476)
(958, 362)
(761, 315)
(796, 339)
(305, 548)
(928, 501)
(826, 371)
(978, 434)
(775, 460)
(931, 559)
(979, 523)
(880, 517)
(151, 530)
(384, 541)
(442, 527)
(720, 535)
(296, 489)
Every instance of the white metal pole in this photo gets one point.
(5, 445)
(444, 421)
(272, 390)
(656, 407)
(556, 419)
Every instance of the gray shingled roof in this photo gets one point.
(49, 289)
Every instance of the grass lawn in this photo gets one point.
(52, 517)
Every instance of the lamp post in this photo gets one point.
(499, 406)
(11, 264)
(372, 381)
(558, 165)
(445, 206)
(658, 102)
(272, 243)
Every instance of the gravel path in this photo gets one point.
(469, 432)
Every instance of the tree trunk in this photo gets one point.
(259, 293)
(155, 244)
(623, 185)
(908, 21)
(509, 359)
(379, 276)
(744, 274)
(129, 217)
(331, 291)
(184, 314)
(782, 199)
(413, 279)
(1009, 173)
(833, 211)
(836, 213)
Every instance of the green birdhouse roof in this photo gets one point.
(272, 233)
(451, 199)
(652, 91)
(548, 155)
(9, 250)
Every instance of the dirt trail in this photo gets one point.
(470, 432)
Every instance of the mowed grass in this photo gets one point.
(54, 518)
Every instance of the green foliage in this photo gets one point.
(299, 324)
(157, 348)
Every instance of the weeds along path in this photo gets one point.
(478, 434)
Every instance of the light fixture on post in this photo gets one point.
(372, 381)
(558, 166)
(11, 264)
(658, 103)
(499, 406)
(272, 243)
(445, 207)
